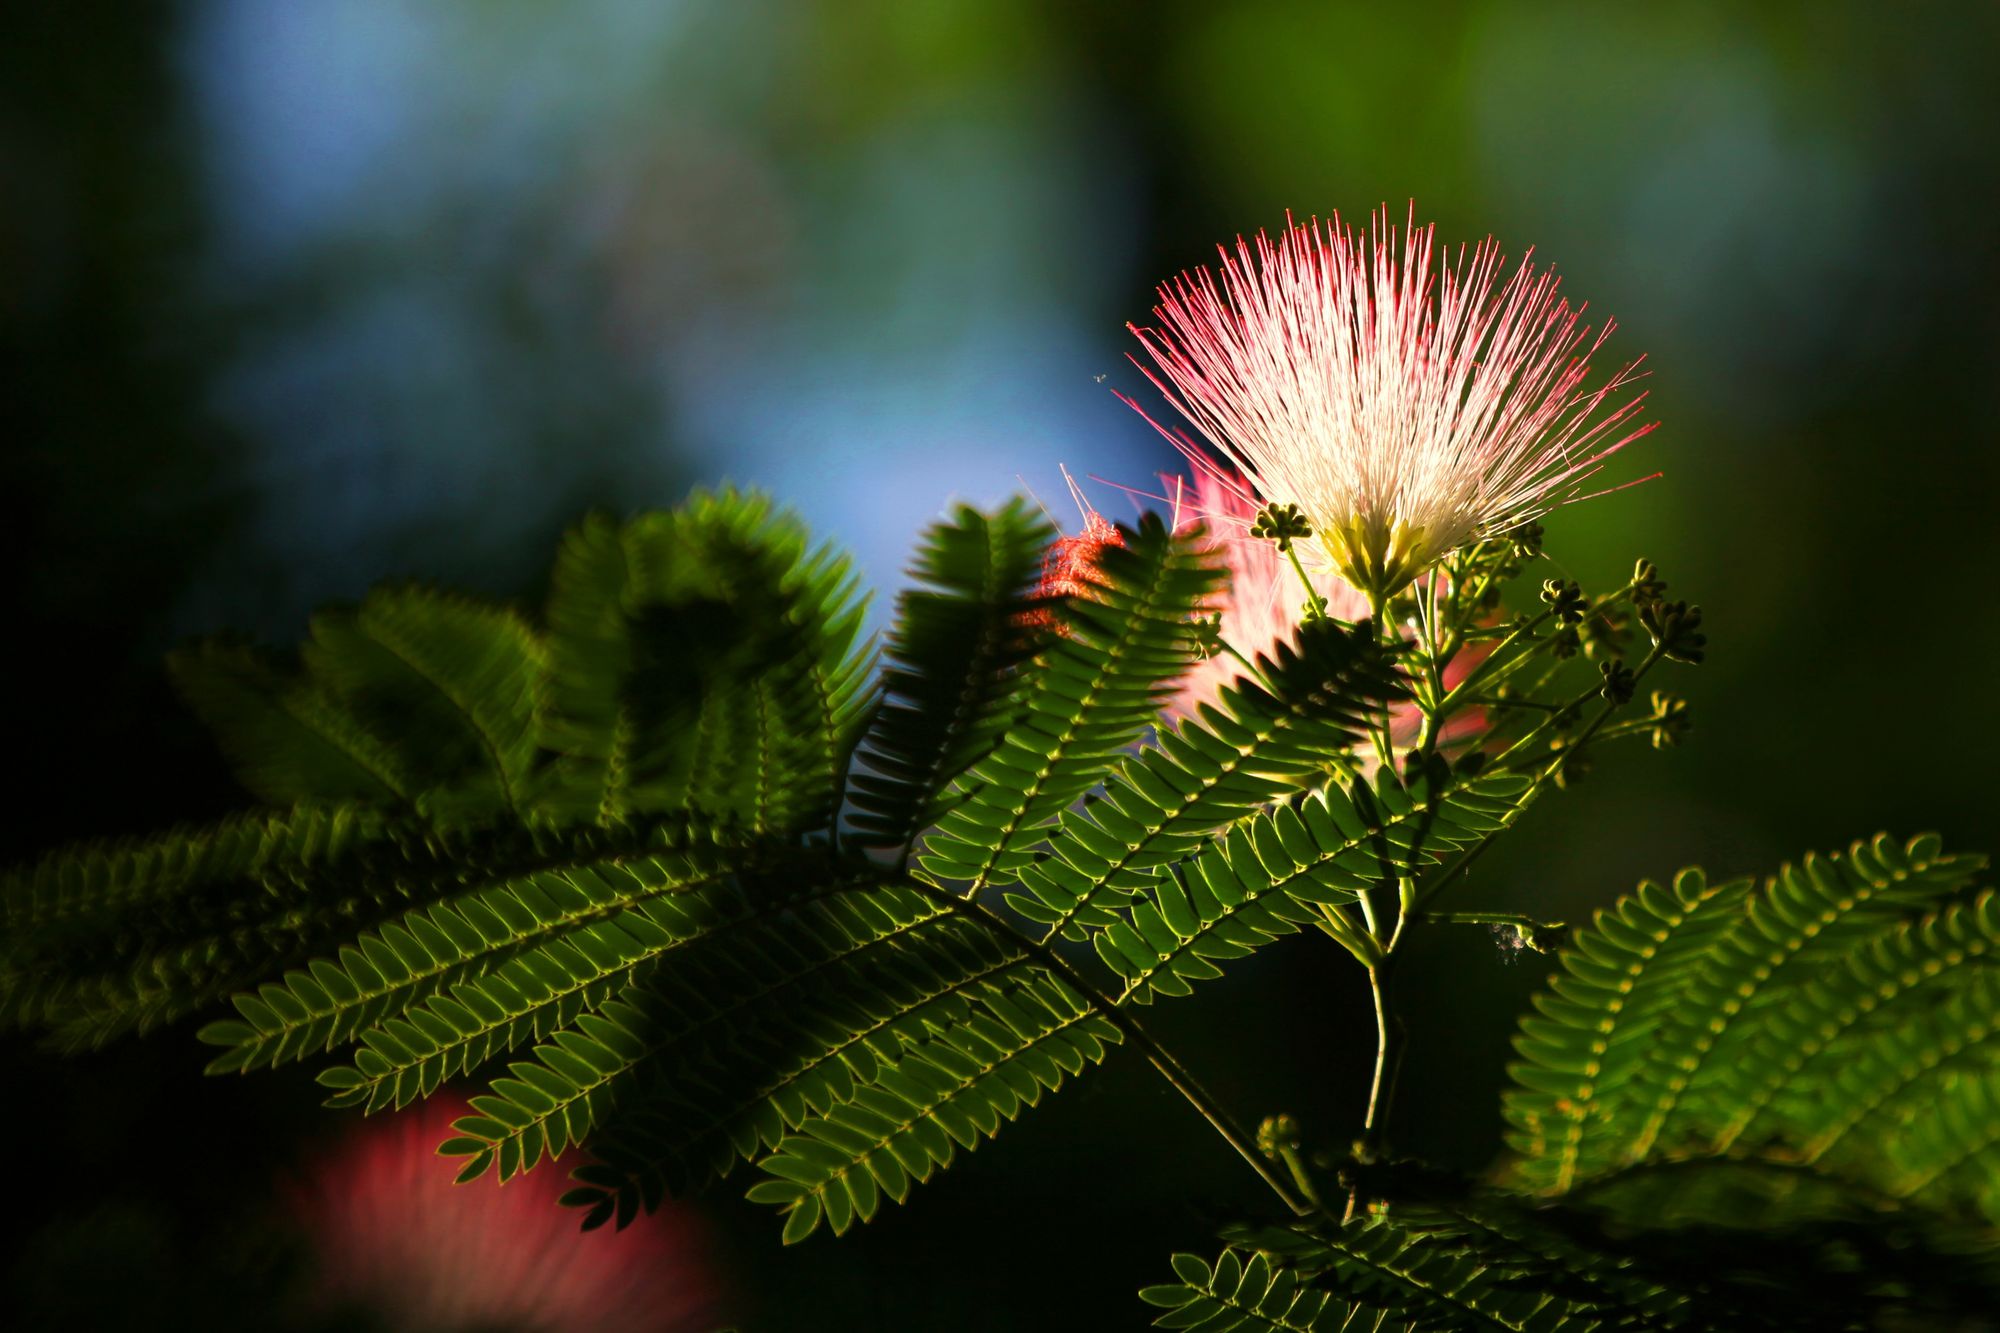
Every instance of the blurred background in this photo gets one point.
(299, 296)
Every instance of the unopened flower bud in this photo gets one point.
(1278, 1133)
(1565, 599)
(1669, 718)
(1647, 585)
(1618, 681)
(1282, 523)
(1675, 628)
(1527, 540)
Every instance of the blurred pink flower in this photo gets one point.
(1264, 601)
(1405, 409)
(394, 1236)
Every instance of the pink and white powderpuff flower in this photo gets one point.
(1407, 401)
(394, 1238)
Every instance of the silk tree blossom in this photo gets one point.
(396, 1240)
(1407, 402)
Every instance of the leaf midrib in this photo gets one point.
(1294, 712)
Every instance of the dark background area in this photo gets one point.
(298, 297)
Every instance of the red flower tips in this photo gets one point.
(1070, 567)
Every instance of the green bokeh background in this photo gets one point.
(1789, 208)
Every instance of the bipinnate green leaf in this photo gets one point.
(1095, 689)
(1740, 1105)
(449, 684)
(1478, 1262)
(1267, 876)
(1595, 1025)
(703, 658)
(415, 698)
(1262, 740)
(943, 1093)
(1684, 1020)
(286, 740)
(1242, 1291)
(439, 989)
(101, 940)
(750, 1031)
(952, 679)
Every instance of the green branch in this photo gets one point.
(1471, 854)
(1169, 1068)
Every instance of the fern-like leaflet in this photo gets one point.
(692, 893)
(1839, 1170)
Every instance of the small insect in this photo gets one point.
(1100, 378)
(1517, 941)
(1510, 942)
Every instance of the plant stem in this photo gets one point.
(1493, 659)
(1389, 1047)
(1300, 1176)
(1489, 919)
(1249, 668)
(1175, 1073)
(1388, 1064)
(1385, 634)
(1427, 736)
(1479, 673)
(1464, 862)
(1315, 604)
(1365, 899)
(1357, 941)
(1391, 1038)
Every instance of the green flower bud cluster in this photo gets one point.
(1670, 720)
(1647, 585)
(1278, 1133)
(1619, 681)
(1283, 524)
(1566, 599)
(1675, 630)
(1497, 561)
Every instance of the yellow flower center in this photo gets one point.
(1379, 557)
